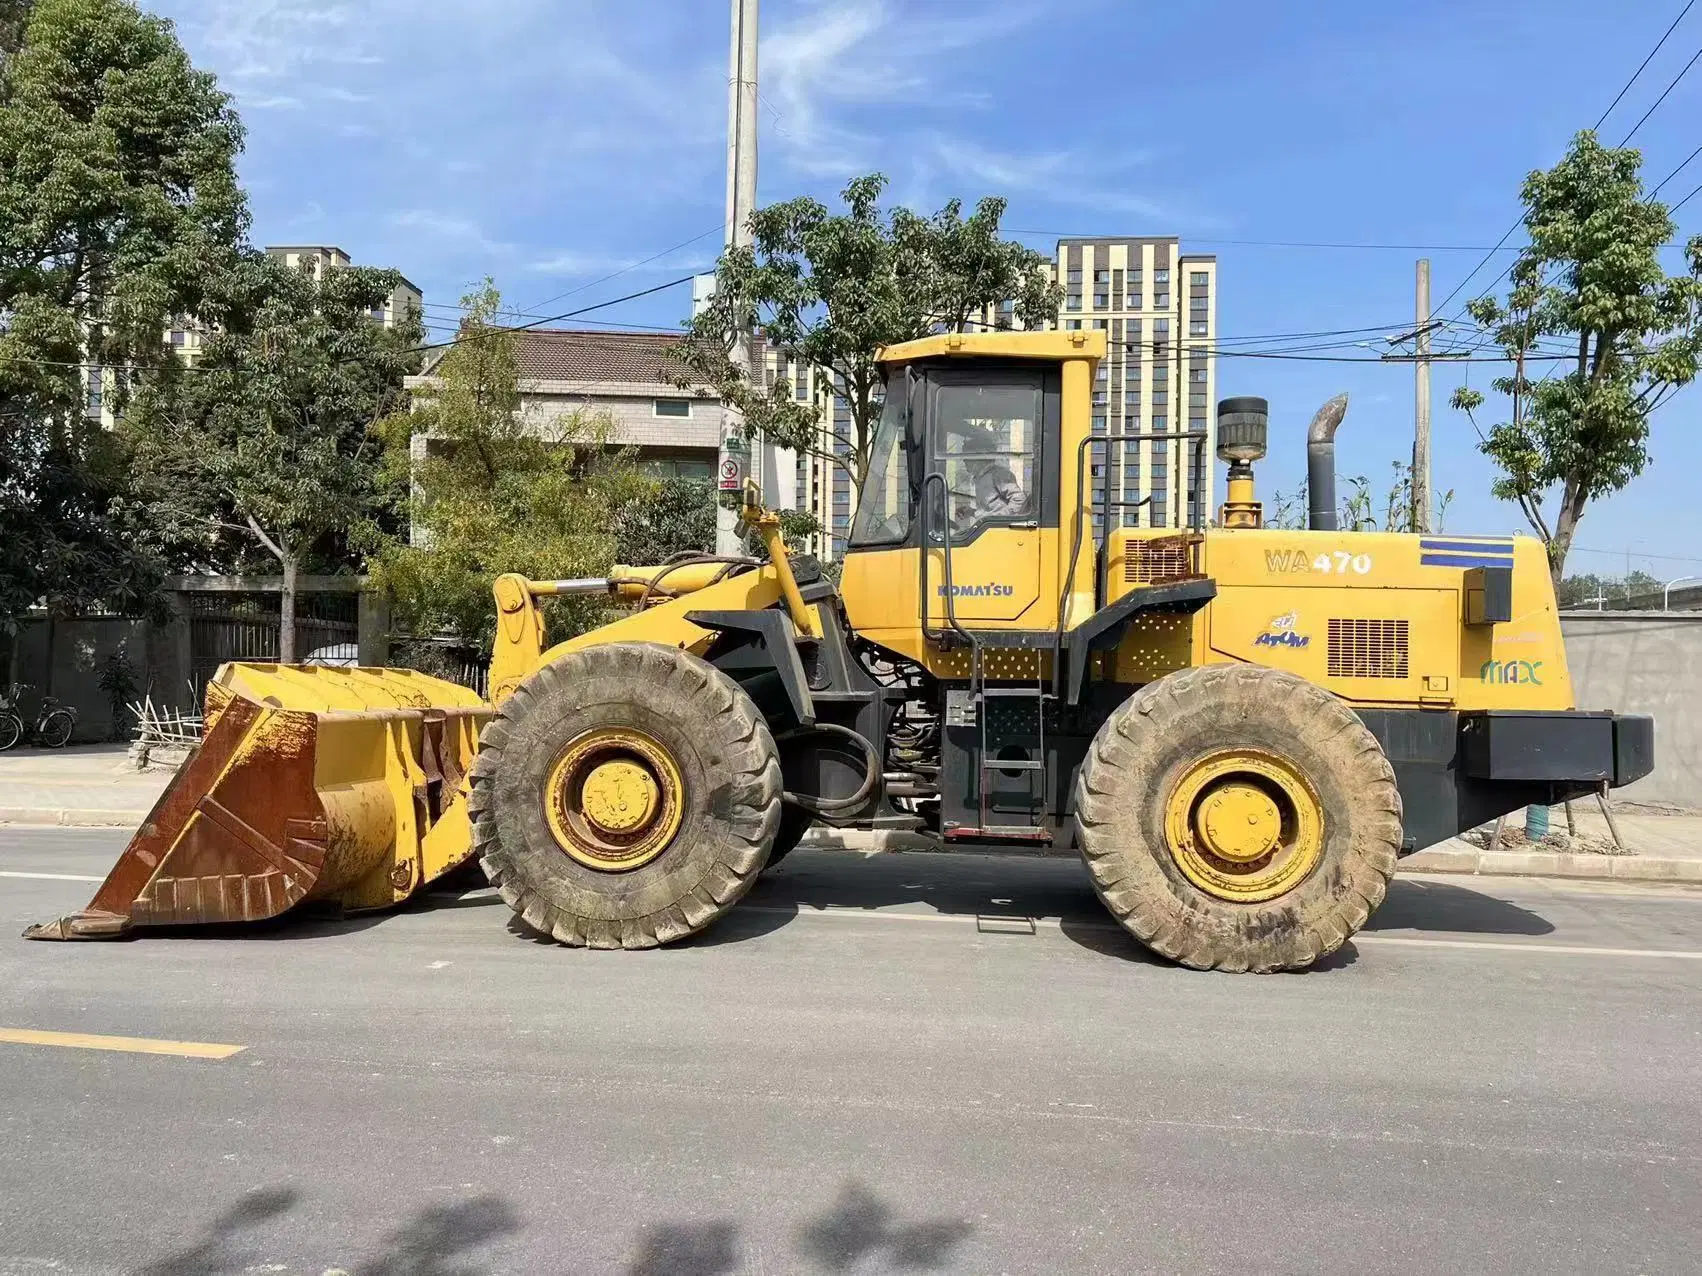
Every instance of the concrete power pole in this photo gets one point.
(1421, 504)
(741, 200)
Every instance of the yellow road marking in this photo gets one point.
(134, 1045)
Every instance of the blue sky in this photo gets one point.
(550, 143)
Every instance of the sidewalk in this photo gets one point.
(91, 786)
(87, 786)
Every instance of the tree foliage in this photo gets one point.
(1591, 590)
(118, 201)
(1599, 336)
(268, 436)
(490, 491)
(831, 289)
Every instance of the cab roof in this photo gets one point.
(1083, 343)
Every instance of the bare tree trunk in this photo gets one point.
(1572, 501)
(286, 611)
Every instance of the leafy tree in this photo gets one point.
(833, 288)
(489, 491)
(118, 200)
(1607, 591)
(269, 435)
(1622, 337)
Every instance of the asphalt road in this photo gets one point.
(871, 1066)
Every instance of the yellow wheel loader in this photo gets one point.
(1240, 729)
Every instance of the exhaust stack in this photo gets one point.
(1321, 465)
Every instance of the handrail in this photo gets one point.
(1085, 516)
(945, 559)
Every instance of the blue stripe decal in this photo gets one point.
(1464, 560)
(1486, 546)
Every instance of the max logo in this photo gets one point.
(977, 591)
(1512, 672)
(1287, 560)
(1280, 633)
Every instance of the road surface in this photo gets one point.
(912, 1063)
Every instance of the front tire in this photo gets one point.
(625, 796)
(1238, 818)
(11, 731)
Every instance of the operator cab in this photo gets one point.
(965, 455)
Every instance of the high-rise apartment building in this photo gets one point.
(1158, 309)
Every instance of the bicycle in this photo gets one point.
(54, 723)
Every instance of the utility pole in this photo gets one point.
(1421, 358)
(1421, 401)
(735, 453)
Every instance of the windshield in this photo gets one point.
(883, 508)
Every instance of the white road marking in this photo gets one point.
(54, 877)
(1404, 941)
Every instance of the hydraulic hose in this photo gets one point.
(872, 773)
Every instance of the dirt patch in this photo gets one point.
(1516, 839)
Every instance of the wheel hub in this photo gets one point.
(614, 799)
(621, 797)
(1237, 821)
(1244, 825)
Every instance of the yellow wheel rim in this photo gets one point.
(1244, 825)
(614, 799)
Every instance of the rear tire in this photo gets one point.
(56, 728)
(1150, 773)
(713, 766)
(11, 731)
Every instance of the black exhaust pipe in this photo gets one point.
(1321, 465)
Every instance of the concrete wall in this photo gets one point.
(1646, 662)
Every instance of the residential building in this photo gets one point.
(319, 258)
(1158, 309)
(628, 377)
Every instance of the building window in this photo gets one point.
(1197, 375)
(1099, 423)
(1160, 424)
(1198, 328)
(1161, 301)
(1161, 276)
(1197, 399)
(1133, 302)
(1099, 325)
(178, 336)
(1101, 300)
(1199, 304)
(1100, 398)
(1199, 278)
(1075, 275)
(673, 407)
(1072, 325)
(1102, 276)
(1073, 301)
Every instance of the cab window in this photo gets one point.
(883, 509)
(986, 442)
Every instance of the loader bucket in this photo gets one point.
(340, 786)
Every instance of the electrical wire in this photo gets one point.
(684, 243)
(1602, 119)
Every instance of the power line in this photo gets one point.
(1675, 172)
(1663, 97)
(684, 243)
(1635, 75)
(1681, 203)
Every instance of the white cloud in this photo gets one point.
(443, 226)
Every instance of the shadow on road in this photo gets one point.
(858, 1231)
(1442, 906)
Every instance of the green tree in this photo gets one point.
(489, 491)
(270, 434)
(833, 288)
(1358, 511)
(118, 201)
(1622, 336)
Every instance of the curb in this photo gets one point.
(60, 817)
(1618, 868)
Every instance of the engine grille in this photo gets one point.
(1368, 649)
(1148, 562)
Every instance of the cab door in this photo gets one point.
(990, 485)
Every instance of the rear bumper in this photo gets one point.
(1557, 747)
(1456, 771)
